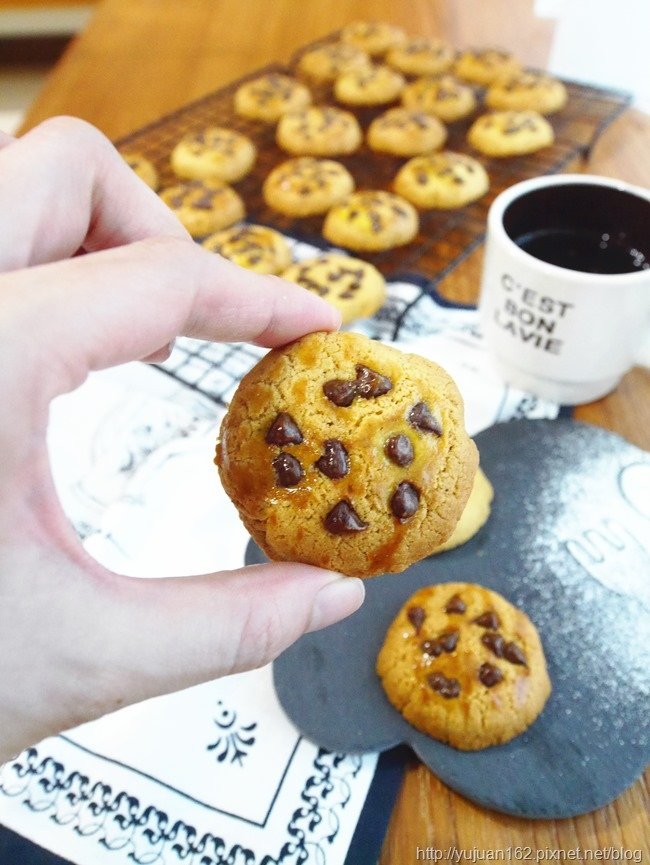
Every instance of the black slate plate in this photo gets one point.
(565, 542)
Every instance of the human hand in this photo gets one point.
(77, 641)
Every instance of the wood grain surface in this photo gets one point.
(139, 59)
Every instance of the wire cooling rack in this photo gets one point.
(445, 238)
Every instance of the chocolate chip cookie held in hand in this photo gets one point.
(346, 453)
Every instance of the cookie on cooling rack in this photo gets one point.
(213, 153)
(486, 65)
(346, 453)
(523, 91)
(371, 85)
(445, 97)
(270, 96)
(373, 37)
(421, 56)
(370, 221)
(464, 665)
(405, 132)
(442, 180)
(306, 186)
(319, 131)
(143, 167)
(510, 133)
(354, 287)
(326, 62)
(204, 206)
(255, 247)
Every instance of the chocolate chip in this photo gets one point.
(420, 418)
(455, 604)
(416, 617)
(432, 648)
(447, 688)
(448, 641)
(340, 392)
(399, 450)
(490, 675)
(489, 619)
(494, 642)
(334, 463)
(371, 384)
(343, 519)
(288, 470)
(514, 653)
(284, 431)
(405, 501)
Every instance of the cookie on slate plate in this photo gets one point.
(464, 665)
(345, 453)
(354, 287)
(475, 515)
(371, 221)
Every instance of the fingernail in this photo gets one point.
(335, 601)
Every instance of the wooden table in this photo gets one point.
(139, 59)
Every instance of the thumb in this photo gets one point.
(169, 634)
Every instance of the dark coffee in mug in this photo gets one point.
(585, 228)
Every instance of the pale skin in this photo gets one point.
(76, 640)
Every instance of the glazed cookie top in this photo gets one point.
(420, 56)
(527, 90)
(406, 132)
(486, 65)
(345, 453)
(373, 37)
(327, 62)
(319, 131)
(143, 167)
(254, 247)
(371, 85)
(445, 97)
(270, 96)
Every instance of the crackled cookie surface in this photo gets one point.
(306, 186)
(374, 85)
(445, 97)
(476, 513)
(527, 90)
(214, 153)
(465, 666)
(345, 453)
(510, 133)
(255, 247)
(319, 131)
(421, 56)
(143, 167)
(405, 132)
(204, 206)
(354, 287)
(327, 62)
(484, 66)
(270, 96)
(442, 180)
(371, 220)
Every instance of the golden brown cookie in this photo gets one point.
(354, 287)
(442, 180)
(204, 206)
(475, 515)
(319, 131)
(445, 97)
(143, 167)
(404, 132)
(527, 91)
(326, 62)
(371, 85)
(214, 153)
(485, 66)
(421, 56)
(306, 186)
(270, 96)
(254, 247)
(371, 220)
(465, 666)
(373, 37)
(510, 133)
(345, 453)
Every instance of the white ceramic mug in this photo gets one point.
(564, 333)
